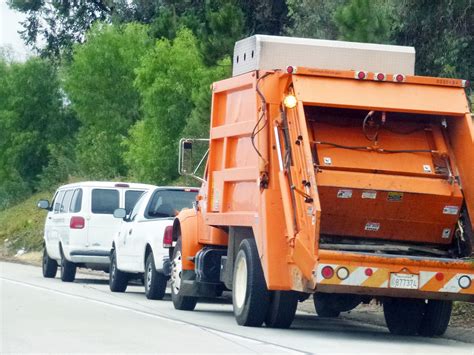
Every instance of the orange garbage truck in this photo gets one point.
(332, 171)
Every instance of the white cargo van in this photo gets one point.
(80, 225)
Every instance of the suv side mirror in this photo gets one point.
(188, 165)
(120, 213)
(43, 204)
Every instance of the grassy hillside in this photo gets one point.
(22, 224)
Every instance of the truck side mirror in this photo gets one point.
(189, 149)
(43, 204)
(120, 213)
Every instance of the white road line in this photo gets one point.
(223, 334)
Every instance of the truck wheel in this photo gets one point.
(183, 303)
(322, 305)
(118, 280)
(68, 269)
(155, 282)
(436, 318)
(403, 315)
(250, 296)
(282, 309)
(50, 266)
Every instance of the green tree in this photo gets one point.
(99, 83)
(442, 33)
(32, 116)
(313, 18)
(172, 79)
(365, 21)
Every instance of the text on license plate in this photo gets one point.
(406, 281)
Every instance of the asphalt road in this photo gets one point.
(48, 316)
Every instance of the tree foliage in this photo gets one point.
(99, 83)
(171, 79)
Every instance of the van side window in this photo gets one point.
(76, 203)
(58, 201)
(66, 201)
(104, 201)
(131, 198)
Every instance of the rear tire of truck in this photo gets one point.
(50, 266)
(68, 269)
(282, 309)
(436, 318)
(118, 280)
(180, 302)
(250, 296)
(322, 305)
(403, 316)
(155, 282)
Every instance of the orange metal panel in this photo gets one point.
(382, 96)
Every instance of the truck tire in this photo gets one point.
(250, 296)
(282, 309)
(322, 305)
(155, 282)
(180, 302)
(50, 266)
(68, 269)
(403, 316)
(118, 280)
(436, 318)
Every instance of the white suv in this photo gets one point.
(80, 225)
(138, 250)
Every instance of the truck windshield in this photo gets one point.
(168, 203)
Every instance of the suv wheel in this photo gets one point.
(50, 266)
(155, 282)
(118, 280)
(68, 269)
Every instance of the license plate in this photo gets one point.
(405, 281)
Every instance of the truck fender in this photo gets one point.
(186, 226)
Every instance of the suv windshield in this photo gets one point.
(168, 203)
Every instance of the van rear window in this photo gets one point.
(131, 198)
(104, 201)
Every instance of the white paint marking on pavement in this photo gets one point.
(221, 333)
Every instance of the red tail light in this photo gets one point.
(168, 237)
(327, 272)
(290, 69)
(380, 77)
(361, 75)
(77, 223)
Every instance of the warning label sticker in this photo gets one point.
(395, 196)
(344, 194)
(372, 226)
(372, 195)
(451, 210)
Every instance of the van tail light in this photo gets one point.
(168, 237)
(77, 222)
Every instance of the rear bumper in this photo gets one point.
(90, 256)
(443, 279)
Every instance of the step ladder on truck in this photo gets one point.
(334, 171)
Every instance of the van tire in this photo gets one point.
(403, 315)
(282, 309)
(50, 266)
(68, 269)
(155, 282)
(322, 306)
(118, 280)
(250, 296)
(180, 302)
(436, 318)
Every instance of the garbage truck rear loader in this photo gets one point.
(332, 171)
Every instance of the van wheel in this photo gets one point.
(68, 269)
(403, 315)
(50, 266)
(250, 296)
(322, 305)
(436, 318)
(155, 282)
(282, 309)
(118, 280)
(183, 303)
